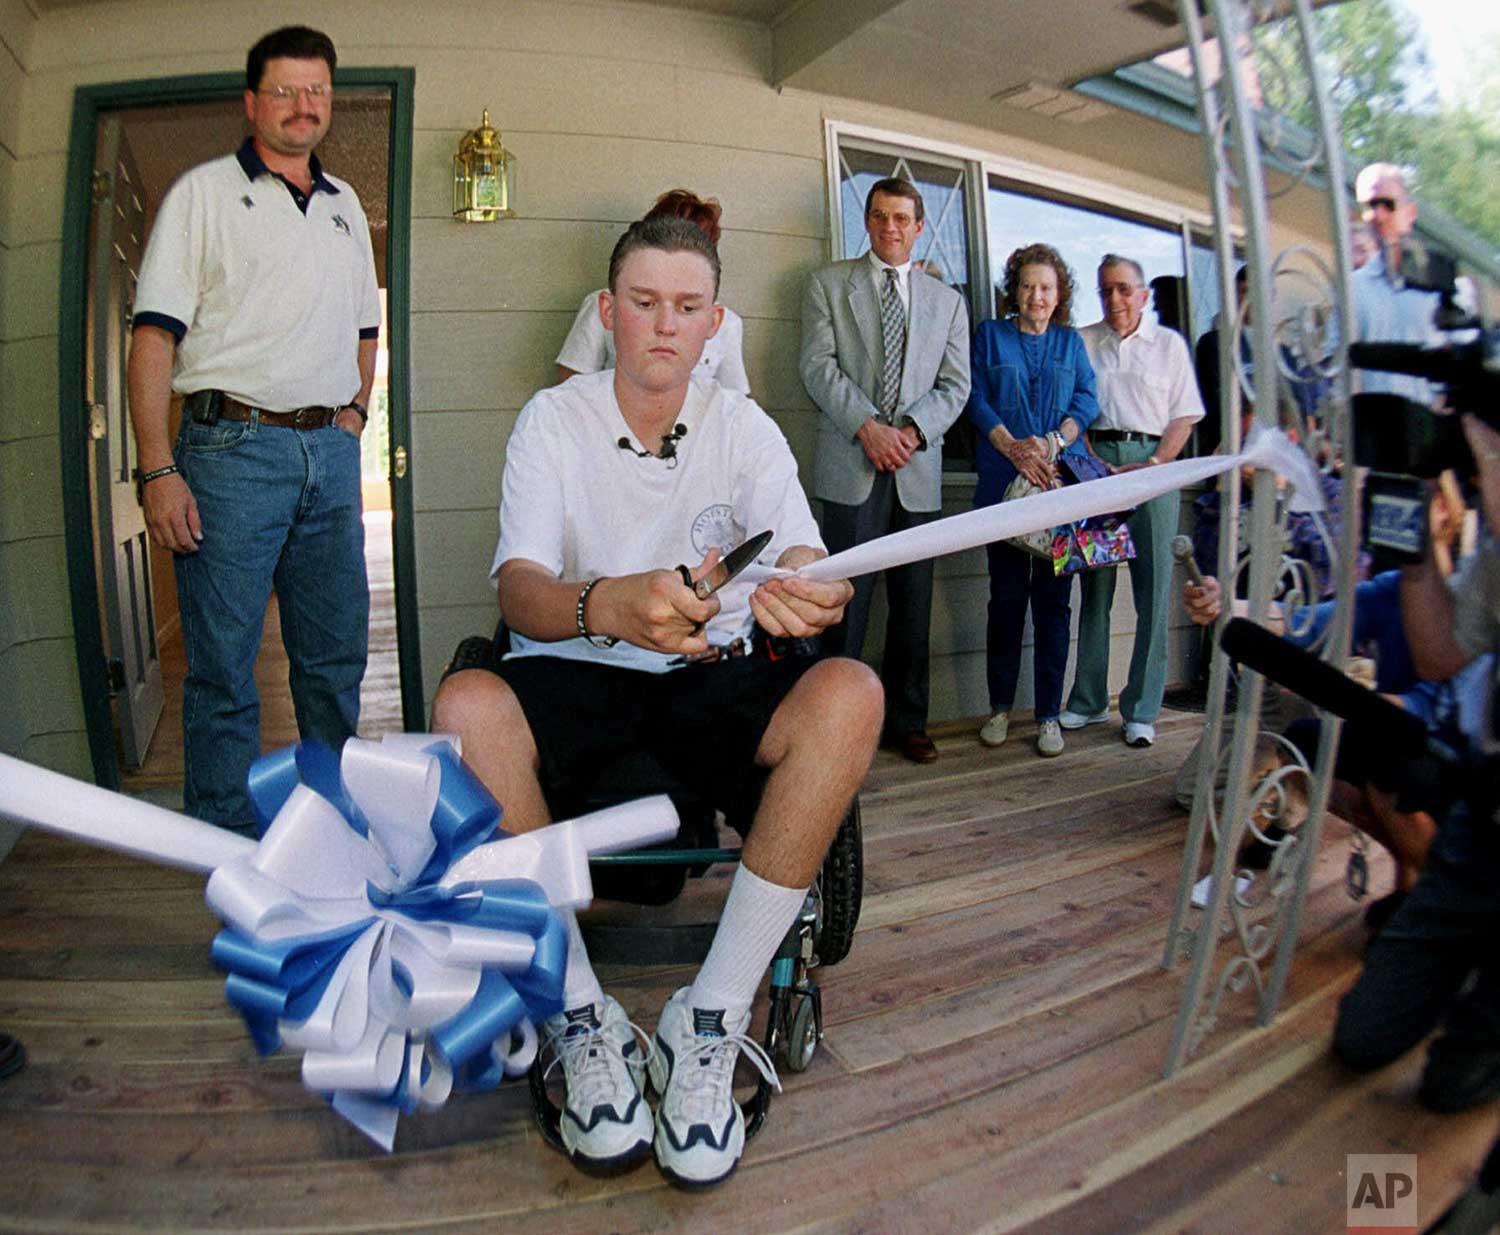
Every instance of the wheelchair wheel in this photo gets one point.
(841, 888)
(802, 1036)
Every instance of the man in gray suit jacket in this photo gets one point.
(885, 356)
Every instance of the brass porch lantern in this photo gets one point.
(484, 177)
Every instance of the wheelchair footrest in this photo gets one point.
(648, 945)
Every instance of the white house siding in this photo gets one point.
(605, 106)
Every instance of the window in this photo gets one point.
(1203, 286)
(1082, 235)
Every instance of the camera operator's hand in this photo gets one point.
(1485, 443)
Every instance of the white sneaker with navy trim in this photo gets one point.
(1069, 719)
(606, 1124)
(1139, 734)
(700, 1130)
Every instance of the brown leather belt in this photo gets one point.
(298, 418)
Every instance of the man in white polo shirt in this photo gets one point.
(1148, 404)
(257, 303)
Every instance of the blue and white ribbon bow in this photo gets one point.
(349, 937)
(378, 926)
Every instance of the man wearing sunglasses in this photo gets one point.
(1385, 309)
(257, 304)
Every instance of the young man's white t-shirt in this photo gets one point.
(590, 348)
(576, 502)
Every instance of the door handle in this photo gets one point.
(398, 465)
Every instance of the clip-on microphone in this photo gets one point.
(668, 445)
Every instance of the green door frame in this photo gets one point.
(73, 414)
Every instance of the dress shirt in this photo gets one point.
(903, 281)
(1145, 379)
(1386, 313)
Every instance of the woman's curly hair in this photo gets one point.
(1039, 255)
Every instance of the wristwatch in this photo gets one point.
(359, 409)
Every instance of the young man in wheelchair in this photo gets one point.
(611, 479)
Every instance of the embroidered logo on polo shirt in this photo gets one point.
(340, 223)
(248, 202)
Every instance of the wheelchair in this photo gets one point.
(822, 934)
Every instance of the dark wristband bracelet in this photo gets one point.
(145, 478)
(599, 641)
(359, 409)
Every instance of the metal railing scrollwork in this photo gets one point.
(1285, 360)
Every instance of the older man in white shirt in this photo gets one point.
(1148, 404)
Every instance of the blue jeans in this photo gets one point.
(1016, 580)
(278, 507)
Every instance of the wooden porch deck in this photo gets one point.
(993, 1054)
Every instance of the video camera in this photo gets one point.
(1403, 442)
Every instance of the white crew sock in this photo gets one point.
(580, 986)
(756, 918)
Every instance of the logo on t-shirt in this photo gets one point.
(342, 224)
(714, 529)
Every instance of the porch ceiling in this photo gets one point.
(965, 61)
(972, 62)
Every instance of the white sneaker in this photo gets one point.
(606, 1123)
(1070, 719)
(995, 730)
(1049, 739)
(1139, 734)
(1204, 888)
(700, 1131)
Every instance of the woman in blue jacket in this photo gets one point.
(1032, 398)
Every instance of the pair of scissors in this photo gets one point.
(726, 567)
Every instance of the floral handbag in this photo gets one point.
(1102, 540)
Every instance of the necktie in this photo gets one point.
(893, 331)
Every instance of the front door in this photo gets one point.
(117, 239)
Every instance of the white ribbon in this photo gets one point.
(1267, 448)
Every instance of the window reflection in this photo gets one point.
(1082, 236)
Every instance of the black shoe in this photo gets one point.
(1456, 1079)
(913, 744)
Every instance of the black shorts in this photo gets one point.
(701, 723)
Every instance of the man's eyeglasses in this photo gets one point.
(1125, 289)
(1381, 203)
(288, 94)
